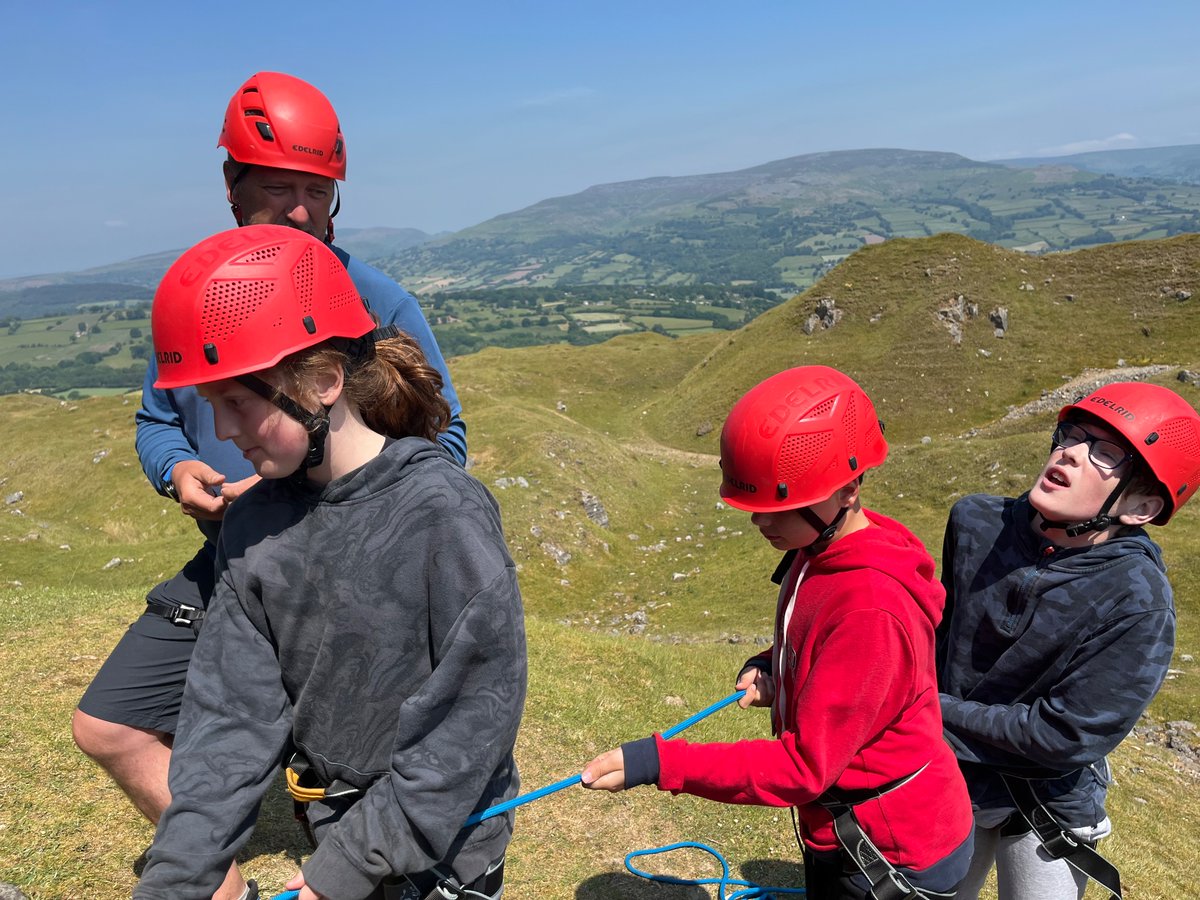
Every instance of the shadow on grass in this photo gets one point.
(610, 885)
(277, 830)
(620, 884)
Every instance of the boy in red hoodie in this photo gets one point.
(850, 680)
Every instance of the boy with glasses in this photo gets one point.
(1058, 632)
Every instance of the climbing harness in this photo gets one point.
(887, 882)
(303, 785)
(1060, 843)
(435, 884)
(305, 788)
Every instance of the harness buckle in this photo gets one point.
(1061, 844)
(186, 615)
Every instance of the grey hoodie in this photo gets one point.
(375, 625)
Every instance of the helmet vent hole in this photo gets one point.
(262, 255)
(337, 301)
(849, 418)
(264, 131)
(303, 277)
(798, 454)
(821, 409)
(228, 304)
(1181, 435)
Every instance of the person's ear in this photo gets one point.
(229, 170)
(848, 494)
(329, 384)
(1142, 508)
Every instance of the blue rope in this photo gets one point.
(749, 890)
(522, 799)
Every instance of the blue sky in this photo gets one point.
(458, 111)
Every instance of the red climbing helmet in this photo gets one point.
(796, 438)
(240, 301)
(280, 121)
(1160, 426)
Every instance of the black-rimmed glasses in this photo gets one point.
(1103, 454)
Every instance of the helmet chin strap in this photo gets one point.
(1098, 522)
(337, 206)
(825, 531)
(315, 423)
(234, 207)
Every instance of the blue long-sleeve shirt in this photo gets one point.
(174, 425)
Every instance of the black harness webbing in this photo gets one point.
(176, 613)
(1059, 842)
(433, 885)
(886, 881)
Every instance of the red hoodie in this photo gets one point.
(859, 704)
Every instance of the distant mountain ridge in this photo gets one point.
(1179, 163)
(785, 223)
(782, 224)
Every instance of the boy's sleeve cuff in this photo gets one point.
(641, 762)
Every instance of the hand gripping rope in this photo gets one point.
(749, 891)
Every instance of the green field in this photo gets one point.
(43, 354)
(50, 340)
(652, 615)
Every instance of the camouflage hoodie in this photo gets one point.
(375, 625)
(1046, 656)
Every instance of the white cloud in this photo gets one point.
(1122, 141)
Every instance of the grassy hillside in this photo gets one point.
(1065, 312)
(643, 593)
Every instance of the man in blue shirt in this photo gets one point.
(286, 154)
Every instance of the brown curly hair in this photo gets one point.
(395, 389)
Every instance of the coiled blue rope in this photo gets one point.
(522, 799)
(748, 889)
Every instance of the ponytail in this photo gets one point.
(395, 389)
(398, 392)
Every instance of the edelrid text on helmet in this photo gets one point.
(240, 301)
(784, 412)
(796, 438)
(280, 121)
(1161, 428)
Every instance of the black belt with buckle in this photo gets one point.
(176, 613)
